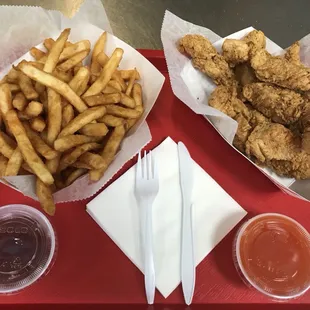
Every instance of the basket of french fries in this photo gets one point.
(72, 113)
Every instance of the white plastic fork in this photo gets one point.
(146, 190)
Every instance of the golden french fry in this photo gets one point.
(74, 49)
(37, 124)
(65, 143)
(13, 75)
(130, 83)
(38, 143)
(6, 148)
(73, 176)
(106, 73)
(48, 43)
(122, 112)
(102, 59)
(81, 120)
(25, 85)
(25, 146)
(23, 116)
(111, 121)
(14, 163)
(69, 158)
(74, 60)
(127, 74)
(36, 64)
(43, 99)
(137, 95)
(54, 83)
(3, 165)
(54, 115)
(127, 101)
(115, 85)
(19, 102)
(93, 160)
(110, 90)
(117, 77)
(14, 88)
(67, 115)
(99, 47)
(5, 99)
(95, 130)
(77, 164)
(34, 108)
(102, 99)
(80, 81)
(63, 76)
(55, 51)
(45, 196)
(53, 164)
(108, 152)
(36, 53)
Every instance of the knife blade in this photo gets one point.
(188, 275)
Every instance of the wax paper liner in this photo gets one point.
(151, 81)
(194, 88)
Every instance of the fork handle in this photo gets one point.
(149, 270)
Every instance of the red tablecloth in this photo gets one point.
(91, 270)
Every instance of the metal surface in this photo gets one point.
(138, 22)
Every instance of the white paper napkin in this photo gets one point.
(215, 213)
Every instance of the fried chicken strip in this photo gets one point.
(292, 53)
(275, 146)
(283, 106)
(280, 71)
(235, 51)
(256, 41)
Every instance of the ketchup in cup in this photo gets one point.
(272, 254)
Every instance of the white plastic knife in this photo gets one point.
(188, 275)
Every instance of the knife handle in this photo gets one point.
(188, 275)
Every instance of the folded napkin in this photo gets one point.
(215, 213)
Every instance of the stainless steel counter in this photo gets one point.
(138, 22)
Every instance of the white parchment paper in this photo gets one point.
(151, 81)
(194, 88)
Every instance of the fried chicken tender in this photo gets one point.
(235, 51)
(275, 146)
(277, 70)
(206, 59)
(292, 53)
(225, 99)
(283, 106)
(256, 41)
(196, 46)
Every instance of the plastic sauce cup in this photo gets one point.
(272, 255)
(27, 247)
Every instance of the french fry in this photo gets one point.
(3, 165)
(130, 83)
(81, 120)
(48, 43)
(127, 74)
(102, 59)
(38, 143)
(6, 148)
(26, 87)
(69, 158)
(108, 152)
(54, 83)
(80, 81)
(38, 124)
(67, 115)
(45, 196)
(63, 76)
(53, 164)
(74, 60)
(117, 77)
(14, 163)
(98, 48)
(34, 108)
(95, 130)
(25, 146)
(93, 160)
(13, 75)
(23, 116)
(106, 73)
(74, 49)
(115, 85)
(122, 112)
(110, 90)
(65, 143)
(111, 121)
(36, 53)
(127, 101)
(73, 176)
(14, 88)
(102, 99)
(5, 99)
(77, 164)
(54, 115)
(19, 102)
